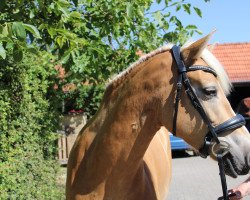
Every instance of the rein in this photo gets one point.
(231, 124)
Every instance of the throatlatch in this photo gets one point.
(231, 124)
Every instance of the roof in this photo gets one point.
(235, 57)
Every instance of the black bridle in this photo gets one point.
(231, 124)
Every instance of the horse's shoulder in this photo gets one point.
(158, 160)
(85, 138)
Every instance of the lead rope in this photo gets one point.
(222, 177)
(221, 150)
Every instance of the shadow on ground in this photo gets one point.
(183, 154)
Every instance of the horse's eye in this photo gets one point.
(210, 91)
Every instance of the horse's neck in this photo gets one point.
(128, 122)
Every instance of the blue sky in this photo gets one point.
(231, 19)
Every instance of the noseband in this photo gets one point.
(231, 124)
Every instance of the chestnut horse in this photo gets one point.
(123, 153)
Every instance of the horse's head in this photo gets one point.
(211, 90)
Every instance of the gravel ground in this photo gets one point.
(195, 178)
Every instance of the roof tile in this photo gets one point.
(235, 57)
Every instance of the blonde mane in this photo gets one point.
(213, 62)
(206, 55)
(123, 74)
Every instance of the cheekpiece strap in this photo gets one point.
(181, 69)
(178, 59)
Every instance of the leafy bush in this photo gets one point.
(27, 125)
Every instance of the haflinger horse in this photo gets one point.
(123, 152)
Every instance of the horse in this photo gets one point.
(124, 153)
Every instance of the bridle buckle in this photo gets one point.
(179, 85)
(221, 148)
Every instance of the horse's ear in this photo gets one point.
(211, 47)
(193, 51)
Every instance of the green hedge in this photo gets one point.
(28, 169)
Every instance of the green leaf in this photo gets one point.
(2, 51)
(191, 33)
(166, 25)
(5, 30)
(32, 50)
(166, 3)
(52, 32)
(17, 53)
(32, 14)
(198, 11)
(173, 19)
(75, 14)
(158, 1)
(178, 7)
(140, 12)
(32, 29)
(63, 3)
(130, 10)
(191, 27)
(101, 51)
(166, 14)
(187, 8)
(60, 41)
(126, 21)
(66, 33)
(65, 57)
(173, 4)
(20, 3)
(18, 30)
(63, 7)
(199, 32)
(81, 41)
(158, 16)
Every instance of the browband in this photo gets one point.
(203, 68)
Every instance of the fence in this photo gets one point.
(70, 127)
